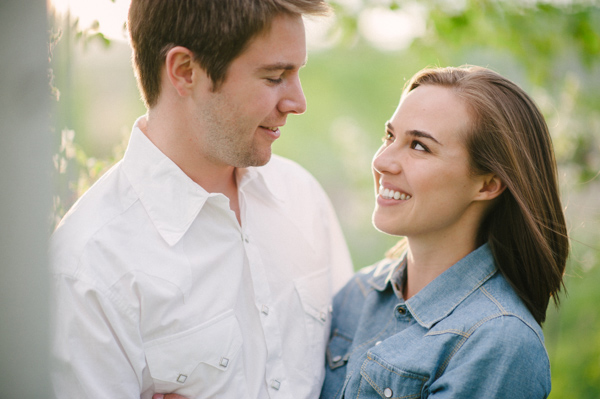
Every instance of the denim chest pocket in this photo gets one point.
(338, 350)
(380, 379)
(201, 362)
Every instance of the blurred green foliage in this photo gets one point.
(550, 48)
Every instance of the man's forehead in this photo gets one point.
(280, 47)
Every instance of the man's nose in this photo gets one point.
(293, 101)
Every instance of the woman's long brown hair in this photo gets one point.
(526, 228)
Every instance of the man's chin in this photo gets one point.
(263, 161)
(257, 160)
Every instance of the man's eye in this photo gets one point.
(388, 137)
(275, 81)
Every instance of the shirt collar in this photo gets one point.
(259, 180)
(440, 297)
(171, 198)
(384, 271)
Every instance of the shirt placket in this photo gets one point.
(275, 372)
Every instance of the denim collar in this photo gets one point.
(440, 297)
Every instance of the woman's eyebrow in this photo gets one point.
(413, 133)
(422, 134)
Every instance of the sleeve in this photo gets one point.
(502, 359)
(96, 349)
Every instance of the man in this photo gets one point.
(186, 268)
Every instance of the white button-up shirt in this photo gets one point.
(159, 289)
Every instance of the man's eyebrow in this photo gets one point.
(279, 66)
(414, 133)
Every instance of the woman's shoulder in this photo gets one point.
(365, 281)
(496, 308)
(373, 277)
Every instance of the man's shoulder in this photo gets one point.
(292, 184)
(283, 168)
(104, 202)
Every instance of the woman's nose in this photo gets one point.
(387, 160)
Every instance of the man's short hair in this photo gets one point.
(216, 31)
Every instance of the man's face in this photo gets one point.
(241, 120)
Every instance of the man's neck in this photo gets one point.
(172, 140)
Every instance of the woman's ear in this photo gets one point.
(492, 186)
(180, 71)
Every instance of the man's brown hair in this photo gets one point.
(216, 31)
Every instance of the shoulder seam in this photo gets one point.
(75, 272)
(468, 334)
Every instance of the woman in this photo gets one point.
(467, 175)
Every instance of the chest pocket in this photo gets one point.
(380, 379)
(202, 362)
(315, 296)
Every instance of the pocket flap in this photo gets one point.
(389, 381)
(315, 294)
(215, 343)
(337, 354)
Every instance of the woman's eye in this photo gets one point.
(388, 137)
(275, 80)
(415, 145)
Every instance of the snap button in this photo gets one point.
(387, 393)
(337, 359)
(401, 310)
(181, 379)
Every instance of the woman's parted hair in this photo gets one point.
(526, 228)
(216, 31)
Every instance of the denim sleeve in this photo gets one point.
(503, 358)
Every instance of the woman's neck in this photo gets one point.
(425, 262)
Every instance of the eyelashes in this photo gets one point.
(416, 144)
(389, 138)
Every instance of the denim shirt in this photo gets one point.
(465, 335)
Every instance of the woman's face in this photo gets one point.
(424, 188)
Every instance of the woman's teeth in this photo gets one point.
(391, 194)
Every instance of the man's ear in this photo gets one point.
(492, 186)
(180, 70)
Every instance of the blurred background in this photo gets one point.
(359, 61)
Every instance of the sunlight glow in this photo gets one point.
(392, 30)
(382, 27)
(109, 15)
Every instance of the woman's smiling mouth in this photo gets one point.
(386, 193)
